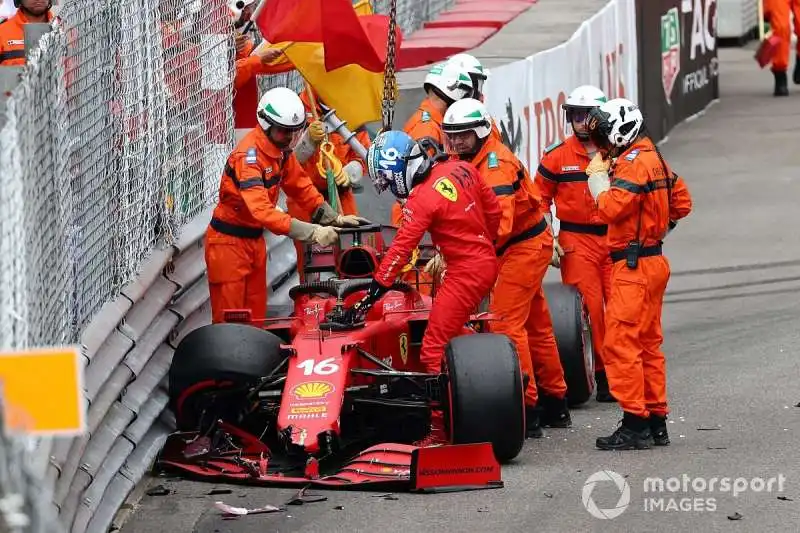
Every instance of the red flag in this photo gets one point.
(348, 39)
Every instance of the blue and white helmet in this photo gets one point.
(397, 162)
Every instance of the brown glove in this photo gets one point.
(598, 164)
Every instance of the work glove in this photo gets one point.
(353, 221)
(558, 253)
(241, 42)
(598, 164)
(354, 171)
(342, 179)
(316, 132)
(435, 266)
(599, 182)
(306, 232)
(359, 310)
(268, 55)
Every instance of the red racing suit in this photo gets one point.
(462, 215)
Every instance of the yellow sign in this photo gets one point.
(313, 389)
(404, 347)
(42, 391)
(446, 189)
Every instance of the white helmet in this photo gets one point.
(449, 82)
(470, 64)
(282, 108)
(237, 7)
(577, 106)
(616, 123)
(466, 115)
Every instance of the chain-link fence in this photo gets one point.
(114, 139)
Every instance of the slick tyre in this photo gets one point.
(485, 401)
(218, 359)
(573, 335)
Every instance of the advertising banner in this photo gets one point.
(683, 52)
(525, 97)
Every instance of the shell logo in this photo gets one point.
(313, 389)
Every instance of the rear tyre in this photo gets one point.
(573, 335)
(486, 402)
(218, 359)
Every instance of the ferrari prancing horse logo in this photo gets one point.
(404, 347)
(446, 189)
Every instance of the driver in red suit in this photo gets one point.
(450, 200)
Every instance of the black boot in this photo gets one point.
(603, 395)
(658, 428)
(796, 75)
(781, 84)
(633, 434)
(555, 412)
(533, 429)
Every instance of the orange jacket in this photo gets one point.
(509, 179)
(561, 178)
(425, 122)
(254, 174)
(249, 66)
(12, 39)
(639, 188)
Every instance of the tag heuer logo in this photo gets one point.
(670, 50)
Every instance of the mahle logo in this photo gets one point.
(670, 50)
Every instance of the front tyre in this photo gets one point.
(486, 401)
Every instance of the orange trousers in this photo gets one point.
(587, 265)
(349, 207)
(237, 274)
(779, 13)
(518, 299)
(635, 365)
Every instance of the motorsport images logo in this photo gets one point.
(624, 494)
(682, 493)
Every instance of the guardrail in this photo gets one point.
(128, 349)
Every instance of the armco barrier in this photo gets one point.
(680, 60)
(128, 349)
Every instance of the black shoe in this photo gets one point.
(796, 75)
(658, 428)
(781, 84)
(555, 412)
(633, 434)
(533, 429)
(603, 395)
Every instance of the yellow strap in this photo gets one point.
(326, 154)
(410, 265)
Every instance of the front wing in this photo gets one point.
(387, 467)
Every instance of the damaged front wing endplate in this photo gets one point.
(386, 467)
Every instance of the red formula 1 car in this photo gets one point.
(313, 399)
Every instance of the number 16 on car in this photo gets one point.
(325, 367)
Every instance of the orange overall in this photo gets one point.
(235, 249)
(561, 178)
(12, 39)
(779, 14)
(524, 247)
(641, 201)
(346, 155)
(245, 97)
